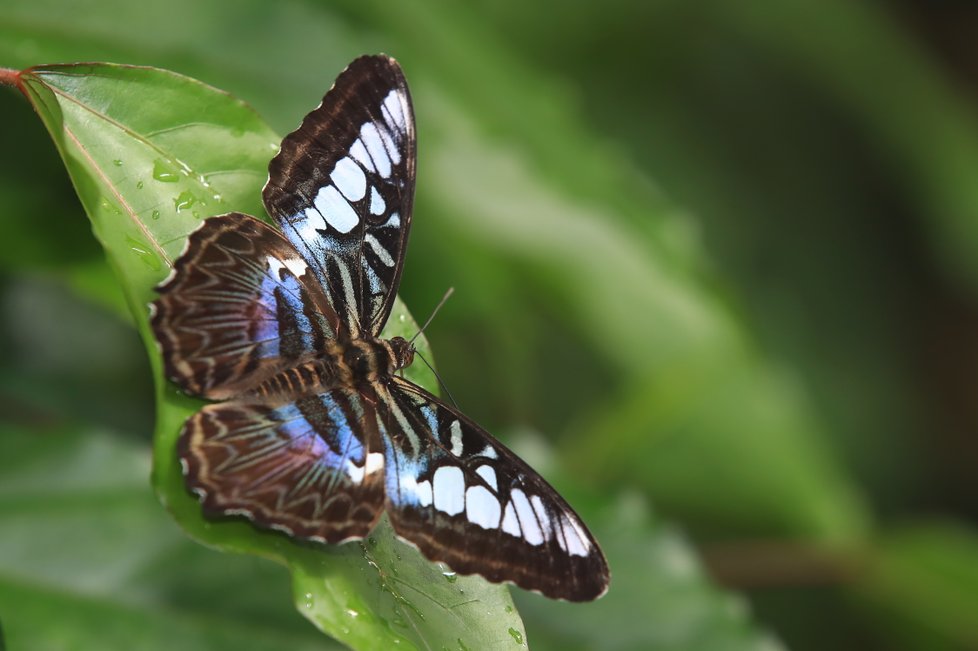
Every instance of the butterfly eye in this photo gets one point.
(403, 352)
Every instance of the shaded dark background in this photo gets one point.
(765, 327)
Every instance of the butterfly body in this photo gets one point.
(349, 365)
(313, 431)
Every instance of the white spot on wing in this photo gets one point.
(542, 516)
(354, 472)
(359, 152)
(392, 149)
(297, 266)
(449, 490)
(374, 143)
(487, 473)
(481, 507)
(307, 225)
(424, 493)
(528, 520)
(456, 429)
(577, 542)
(413, 490)
(392, 105)
(335, 209)
(348, 177)
(489, 452)
(377, 203)
(379, 249)
(375, 462)
(510, 524)
(275, 266)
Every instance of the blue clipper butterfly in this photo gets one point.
(312, 432)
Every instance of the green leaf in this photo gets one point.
(660, 598)
(151, 154)
(88, 560)
(677, 425)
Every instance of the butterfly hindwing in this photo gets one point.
(342, 188)
(466, 500)
(310, 467)
(238, 307)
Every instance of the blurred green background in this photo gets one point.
(716, 271)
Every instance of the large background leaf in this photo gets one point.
(720, 254)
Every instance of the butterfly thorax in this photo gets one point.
(349, 363)
(369, 360)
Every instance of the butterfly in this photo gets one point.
(311, 430)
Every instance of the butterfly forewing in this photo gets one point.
(307, 467)
(463, 498)
(342, 187)
(238, 308)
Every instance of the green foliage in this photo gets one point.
(755, 350)
(926, 577)
(89, 560)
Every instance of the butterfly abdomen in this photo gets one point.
(322, 373)
(347, 364)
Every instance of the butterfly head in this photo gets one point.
(402, 352)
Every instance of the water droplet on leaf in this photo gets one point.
(109, 206)
(516, 635)
(184, 200)
(164, 171)
(143, 251)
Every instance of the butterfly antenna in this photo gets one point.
(438, 377)
(451, 290)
